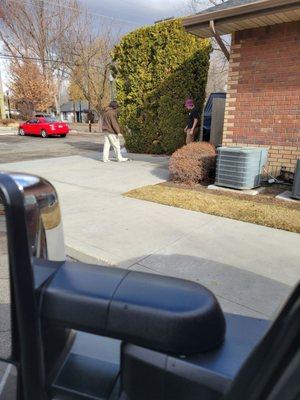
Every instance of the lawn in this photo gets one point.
(261, 210)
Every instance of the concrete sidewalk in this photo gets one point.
(250, 268)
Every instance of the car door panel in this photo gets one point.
(41, 126)
(26, 127)
(31, 127)
(37, 128)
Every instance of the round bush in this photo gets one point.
(192, 163)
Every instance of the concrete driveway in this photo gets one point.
(250, 268)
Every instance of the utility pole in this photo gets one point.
(111, 86)
(89, 118)
(8, 103)
(2, 109)
(80, 112)
(74, 112)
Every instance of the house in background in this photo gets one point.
(74, 111)
(263, 93)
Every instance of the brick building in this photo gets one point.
(263, 96)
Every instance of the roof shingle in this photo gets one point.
(228, 4)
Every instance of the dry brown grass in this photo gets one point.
(8, 122)
(274, 215)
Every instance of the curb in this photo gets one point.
(8, 133)
(87, 258)
(2, 127)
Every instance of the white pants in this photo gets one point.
(113, 140)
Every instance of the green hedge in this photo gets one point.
(156, 69)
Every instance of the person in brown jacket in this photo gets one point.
(112, 130)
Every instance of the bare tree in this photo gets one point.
(66, 42)
(36, 30)
(87, 57)
(218, 71)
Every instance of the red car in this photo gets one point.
(44, 126)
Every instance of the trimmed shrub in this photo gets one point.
(193, 163)
(156, 69)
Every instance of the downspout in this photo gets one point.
(218, 39)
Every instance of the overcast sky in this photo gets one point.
(139, 11)
(135, 12)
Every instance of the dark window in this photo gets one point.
(50, 119)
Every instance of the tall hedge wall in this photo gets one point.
(156, 69)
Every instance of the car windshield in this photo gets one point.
(50, 119)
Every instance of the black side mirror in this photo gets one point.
(34, 232)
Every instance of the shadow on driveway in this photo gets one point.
(239, 291)
(86, 145)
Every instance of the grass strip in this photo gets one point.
(271, 215)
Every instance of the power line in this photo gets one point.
(76, 9)
(9, 57)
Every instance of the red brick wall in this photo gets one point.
(263, 101)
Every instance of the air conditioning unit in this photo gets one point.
(296, 184)
(240, 167)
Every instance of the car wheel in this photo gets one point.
(44, 134)
(64, 135)
(21, 132)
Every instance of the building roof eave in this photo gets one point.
(245, 16)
